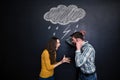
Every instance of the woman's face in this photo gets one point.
(57, 44)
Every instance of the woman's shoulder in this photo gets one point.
(45, 51)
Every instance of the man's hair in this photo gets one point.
(77, 35)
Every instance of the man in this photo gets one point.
(84, 56)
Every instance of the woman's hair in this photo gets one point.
(51, 47)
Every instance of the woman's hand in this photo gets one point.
(65, 59)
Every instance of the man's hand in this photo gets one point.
(78, 44)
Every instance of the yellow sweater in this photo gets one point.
(47, 70)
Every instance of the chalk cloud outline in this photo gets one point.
(64, 15)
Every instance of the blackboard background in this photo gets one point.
(25, 34)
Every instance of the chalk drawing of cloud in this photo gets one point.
(64, 15)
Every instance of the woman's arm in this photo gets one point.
(64, 60)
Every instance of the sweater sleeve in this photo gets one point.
(80, 58)
(47, 61)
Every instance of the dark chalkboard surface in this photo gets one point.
(26, 33)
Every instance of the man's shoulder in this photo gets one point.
(87, 44)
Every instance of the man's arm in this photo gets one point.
(81, 57)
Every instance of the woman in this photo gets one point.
(48, 60)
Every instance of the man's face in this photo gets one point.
(74, 40)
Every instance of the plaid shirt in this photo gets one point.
(85, 58)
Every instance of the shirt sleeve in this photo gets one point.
(47, 61)
(80, 58)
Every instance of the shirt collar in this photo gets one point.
(84, 42)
